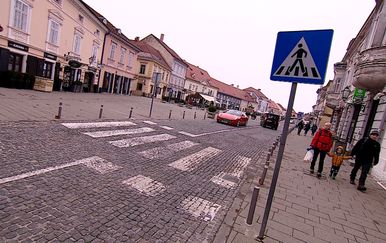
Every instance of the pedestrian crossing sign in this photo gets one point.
(301, 56)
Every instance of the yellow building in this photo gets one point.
(54, 40)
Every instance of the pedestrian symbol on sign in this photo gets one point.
(299, 63)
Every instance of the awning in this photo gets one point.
(207, 97)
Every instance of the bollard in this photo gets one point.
(268, 158)
(170, 114)
(59, 115)
(131, 112)
(261, 180)
(100, 112)
(194, 115)
(204, 115)
(183, 115)
(252, 206)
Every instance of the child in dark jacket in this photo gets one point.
(337, 160)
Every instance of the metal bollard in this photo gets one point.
(131, 112)
(252, 206)
(183, 115)
(59, 115)
(100, 112)
(261, 180)
(170, 114)
(268, 158)
(194, 115)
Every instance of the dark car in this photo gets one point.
(269, 120)
(233, 117)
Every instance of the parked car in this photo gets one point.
(269, 120)
(233, 117)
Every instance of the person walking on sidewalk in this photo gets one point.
(300, 126)
(366, 152)
(313, 129)
(337, 160)
(307, 127)
(321, 143)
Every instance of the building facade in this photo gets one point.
(53, 40)
(357, 93)
(177, 79)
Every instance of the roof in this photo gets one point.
(149, 52)
(170, 50)
(257, 92)
(230, 90)
(111, 28)
(197, 74)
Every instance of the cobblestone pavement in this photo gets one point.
(121, 180)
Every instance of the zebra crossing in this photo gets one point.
(196, 206)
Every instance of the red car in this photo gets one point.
(233, 117)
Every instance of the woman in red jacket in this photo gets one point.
(321, 143)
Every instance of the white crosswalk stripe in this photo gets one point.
(97, 124)
(200, 208)
(145, 185)
(150, 122)
(166, 127)
(190, 162)
(102, 134)
(124, 143)
(162, 152)
(229, 180)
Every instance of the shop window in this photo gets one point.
(139, 86)
(20, 15)
(15, 62)
(47, 69)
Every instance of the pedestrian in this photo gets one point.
(300, 126)
(313, 129)
(366, 152)
(307, 127)
(321, 143)
(337, 160)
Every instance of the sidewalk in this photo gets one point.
(307, 209)
(31, 105)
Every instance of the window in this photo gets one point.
(142, 69)
(15, 62)
(47, 69)
(20, 15)
(53, 32)
(112, 50)
(94, 53)
(123, 54)
(77, 40)
(131, 57)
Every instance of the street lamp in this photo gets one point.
(345, 93)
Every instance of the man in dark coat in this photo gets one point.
(366, 152)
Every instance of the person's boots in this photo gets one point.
(319, 175)
(361, 188)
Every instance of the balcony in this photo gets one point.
(370, 71)
(332, 100)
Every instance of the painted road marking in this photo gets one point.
(166, 127)
(200, 208)
(150, 122)
(230, 180)
(124, 143)
(163, 152)
(102, 166)
(94, 159)
(145, 185)
(190, 162)
(188, 134)
(97, 124)
(210, 133)
(102, 134)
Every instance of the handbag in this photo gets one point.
(309, 155)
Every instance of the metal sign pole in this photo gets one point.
(155, 80)
(279, 158)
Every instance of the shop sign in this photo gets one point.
(18, 46)
(74, 64)
(50, 56)
(359, 93)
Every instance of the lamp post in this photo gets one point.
(345, 93)
(156, 79)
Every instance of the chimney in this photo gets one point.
(162, 37)
(136, 38)
(258, 89)
(237, 86)
(232, 85)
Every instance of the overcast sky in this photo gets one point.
(234, 40)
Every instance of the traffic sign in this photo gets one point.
(301, 56)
